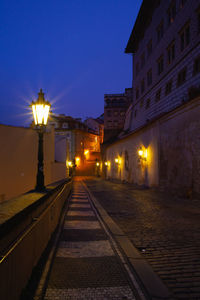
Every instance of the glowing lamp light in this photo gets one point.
(145, 154)
(106, 163)
(116, 160)
(69, 163)
(97, 164)
(140, 152)
(40, 109)
(77, 159)
(86, 152)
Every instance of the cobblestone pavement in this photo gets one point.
(166, 230)
(86, 266)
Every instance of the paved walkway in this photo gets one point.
(165, 229)
(87, 265)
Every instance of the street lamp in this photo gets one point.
(40, 109)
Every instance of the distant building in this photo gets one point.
(97, 125)
(165, 43)
(115, 107)
(80, 143)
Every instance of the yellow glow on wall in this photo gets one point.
(77, 160)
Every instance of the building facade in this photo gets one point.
(165, 44)
(81, 146)
(159, 145)
(97, 126)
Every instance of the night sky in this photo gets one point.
(72, 49)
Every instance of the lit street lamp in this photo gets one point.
(40, 109)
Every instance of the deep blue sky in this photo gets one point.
(73, 49)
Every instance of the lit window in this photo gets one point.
(158, 95)
(185, 36)
(196, 66)
(171, 53)
(181, 77)
(149, 77)
(168, 87)
(171, 12)
(160, 31)
(160, 63)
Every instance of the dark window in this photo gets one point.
(142, 86)
(149, 77)
(171, 12)
(141, 102)
(160, 31)
(182, 3)
(148, 103)
(142, 60)
(137, 68)
(171, 53)
(108, 113)
(137, 93)
(185, 36)
(181, 77)
(196, 66)
(158, 95)
(149, 48)
(135, 113)
(168, 87)
(198, 20)
(160, 63)
(122, 113)
(115, 113)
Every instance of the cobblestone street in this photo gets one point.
(165, 229)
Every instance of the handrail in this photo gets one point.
(30, 227)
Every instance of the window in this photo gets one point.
(171, 12)
(115, 113)
(137, 93)
(142, 60)
(198, 20)
(149, 77)
(65, 125)
(168, 87)
(149, 48)
(158, 95)
(160, 31)
(182, 3)
(181, 77)
(135, 113)
(148, 103)
(108, 113)
(185, 36)
(160, 63)
(196, 66)
(122, 113)
(171, 53)
(137, 68)
(142, 86)
(141, 102)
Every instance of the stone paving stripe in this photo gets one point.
(109, 293)
(83, 235)
(86, 272)
(82, 205)
(81, 218)
(79, 202)
(81, 225)
(84, 249)
(81, 209)
(80, 213)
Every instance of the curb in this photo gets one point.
(153, 285)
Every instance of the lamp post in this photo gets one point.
(40, 109)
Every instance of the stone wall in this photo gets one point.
(173, 152)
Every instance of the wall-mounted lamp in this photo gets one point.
(142, 154)
(97, 164)
(116, 160)
(69, 163)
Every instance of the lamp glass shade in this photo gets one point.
(40, 113)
